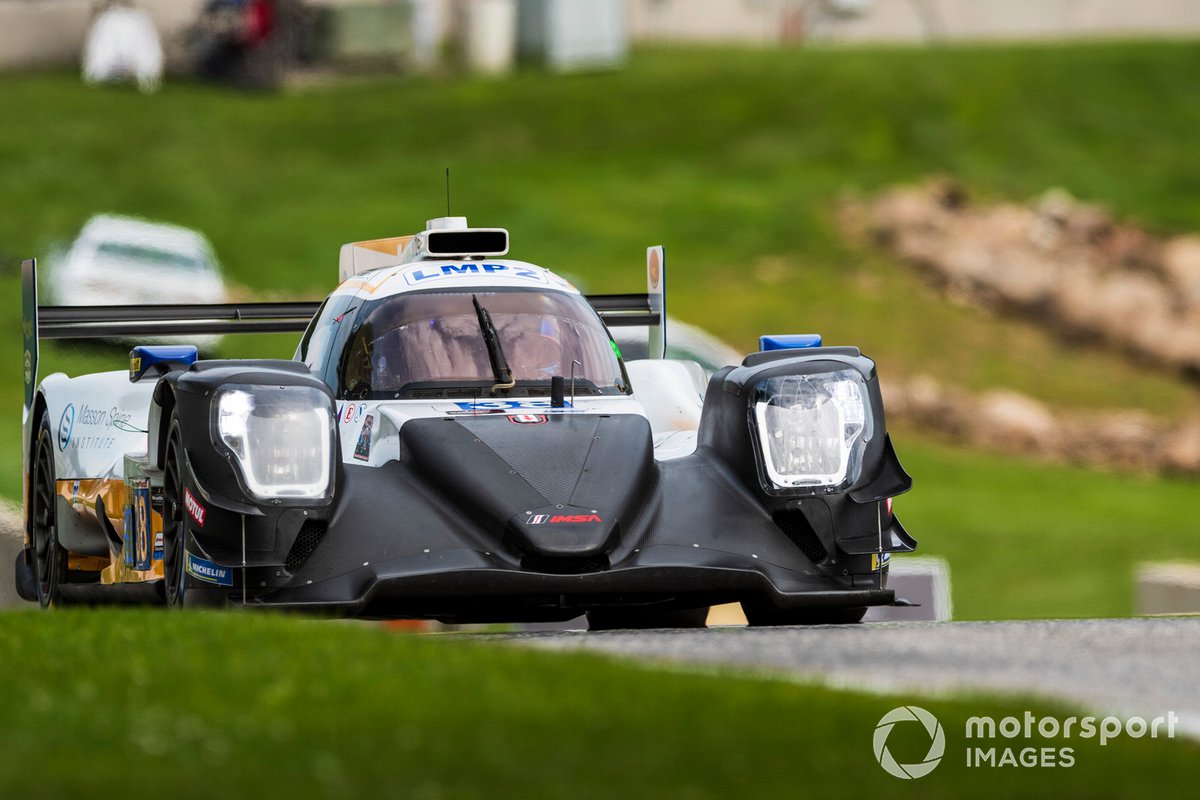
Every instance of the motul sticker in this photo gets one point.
(562, 519)
(194, 509)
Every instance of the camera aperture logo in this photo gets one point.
(931, 727)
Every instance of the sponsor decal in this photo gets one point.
(135, 366)
(158, 546)
(28, 368)
(528, 419)
(204, 570)
(362, 450)
(562, 519)
(103, 417)
(91, 417)
(351, 412)
(194, 509)
(423, 273)
(66, 425)
(654, 268)
(143, 541)
(879, 561)
(509, 405)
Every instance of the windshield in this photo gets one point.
(148, 255)
(430, 344)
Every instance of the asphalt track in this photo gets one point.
(1123, 667)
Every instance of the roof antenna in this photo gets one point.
(447, 191)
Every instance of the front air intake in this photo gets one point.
(802, 535)
(306, 543)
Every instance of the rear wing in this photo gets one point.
(97, 322)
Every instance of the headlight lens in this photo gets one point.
(282, 438)
(811, 431)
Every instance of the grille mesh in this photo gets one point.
(306, 542)
(801, 533)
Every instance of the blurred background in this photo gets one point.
(998, 200)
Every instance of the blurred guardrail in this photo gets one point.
(1168, 587)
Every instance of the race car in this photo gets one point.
(458, 438)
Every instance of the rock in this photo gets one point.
(1181, 265)
(1181, 451)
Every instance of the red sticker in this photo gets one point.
(528, 419)
(194, 509)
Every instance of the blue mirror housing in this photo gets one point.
(788, 341)
(158, 360)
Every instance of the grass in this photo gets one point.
(1027, 540)
(201, 705)
(734, 159)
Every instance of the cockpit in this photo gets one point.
(465, 342)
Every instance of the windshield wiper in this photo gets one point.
(500, 371)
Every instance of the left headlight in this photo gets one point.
(282, 438)
(810, 431)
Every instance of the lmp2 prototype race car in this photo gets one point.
(457, 438)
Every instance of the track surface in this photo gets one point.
(1119, 666)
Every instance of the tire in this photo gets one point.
(610, 619)
(174, 524)
(762, 614)
(49, 557)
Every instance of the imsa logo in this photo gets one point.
(562, 519)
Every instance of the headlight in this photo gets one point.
(282, 439)
(811, 431)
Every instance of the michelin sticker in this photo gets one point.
(204, 570)
(423, 273)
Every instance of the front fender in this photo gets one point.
(96, 419)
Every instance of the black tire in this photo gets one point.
(174, 524)
(49, 557)
(610, 619)
(761, 614)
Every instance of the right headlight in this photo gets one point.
(810, 431)
(282, 438)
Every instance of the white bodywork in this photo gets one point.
(95, 420)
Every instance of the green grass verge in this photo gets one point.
(148, 704)
(1027, 540)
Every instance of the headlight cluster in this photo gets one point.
(282, 438)
(811, 431)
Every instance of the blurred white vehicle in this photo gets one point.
(126, 261)
(686, 342)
